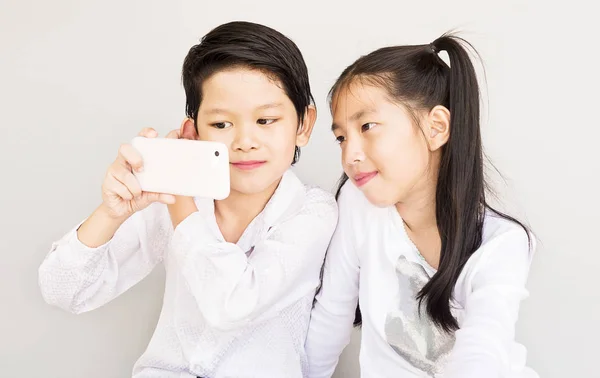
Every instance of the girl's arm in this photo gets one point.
(232, 288)
(333, 314)
(485, 341)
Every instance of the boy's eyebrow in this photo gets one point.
(216, 111)
(261, 107)
(271, 105)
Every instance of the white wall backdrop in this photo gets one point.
(77, 78)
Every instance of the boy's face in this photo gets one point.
(252, 115)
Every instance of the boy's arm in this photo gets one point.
(93, 264)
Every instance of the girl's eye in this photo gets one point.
(221, 125)
(340, 139)
(264, 121)
(367, 126)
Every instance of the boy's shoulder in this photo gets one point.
(293, 198)
(319, 202)
(305, 194)
(316, 194)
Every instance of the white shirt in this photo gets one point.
(371, 257)
(229, 310)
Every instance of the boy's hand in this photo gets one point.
(121, 192)
(121, 197)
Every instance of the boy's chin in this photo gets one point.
(253, 185)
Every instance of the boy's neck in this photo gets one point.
(235, 212)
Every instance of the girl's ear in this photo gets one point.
(438, 123)
(188, 129)
(306, 128)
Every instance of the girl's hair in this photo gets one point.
(416, 77)
(247, 45)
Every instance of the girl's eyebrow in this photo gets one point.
(354, 117)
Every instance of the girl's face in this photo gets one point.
(383, 152)
(249, 112)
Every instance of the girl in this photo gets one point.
(439, 274)
(241, 273)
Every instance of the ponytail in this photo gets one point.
(460, 193)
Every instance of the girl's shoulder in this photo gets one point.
(498, 229)
(358, 213)
(352, 201)
(506, 249)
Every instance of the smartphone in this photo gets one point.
(183, 167)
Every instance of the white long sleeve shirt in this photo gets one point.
(372, 259)
(229, 310)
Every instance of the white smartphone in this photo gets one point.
(183, 167)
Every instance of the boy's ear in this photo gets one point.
(188, 129)
(306, 128)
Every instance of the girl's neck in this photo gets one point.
(419, 215)
(237, 211)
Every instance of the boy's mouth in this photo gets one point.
(248, 165)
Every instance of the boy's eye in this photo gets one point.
(221, 125)
(340, 139)
(367, 126)
(265, 121)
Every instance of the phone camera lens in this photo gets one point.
(216, 153)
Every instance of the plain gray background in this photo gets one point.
(77, 78)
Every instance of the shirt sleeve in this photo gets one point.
(485, 341)
(78, 278)
(330, 327)
(233, 289)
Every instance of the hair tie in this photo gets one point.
(433, 48)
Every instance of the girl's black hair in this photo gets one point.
(250, 45)
(419, 79)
